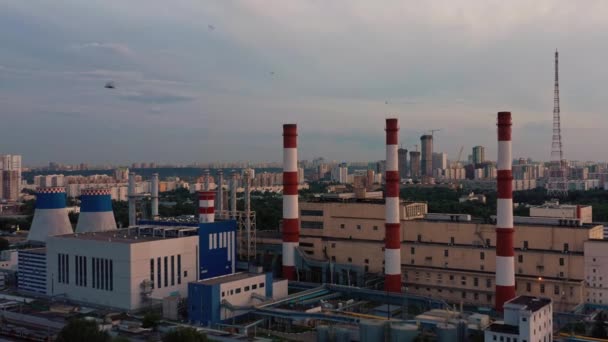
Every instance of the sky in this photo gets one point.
(200, 81)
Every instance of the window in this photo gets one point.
(158, 275)
(542, 288)
(111, 275)
(152, 272)
(223, 294)
(350, 259)
(476, 296)
(359, 227)
(528, 287)
(488, 297)
(311, 224)
(565, 247)
(452, 240)
(482, 255)
(166, 273)
(333, 258)
(237, 291)
(419, 238)
(523, 319)
(556, 289)
(375, 227)
(342, 226)
(172, 270)
(451, 277)
(367, 261)
(261, 285)
(488, 242)
(488, 283)
(464, 294)
(520, 258)
(494, 337)
(561, 261)
(412, 250)
(525, 244)
(254, 286)
(185, 274)
(475, 282)
(446, 253)
(179, 268)
(333, 245)
(246, 288)
(311, 212)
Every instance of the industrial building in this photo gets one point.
(124, 268)
(31, 270)
(526, 318)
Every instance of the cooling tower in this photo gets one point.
(51, 216)
(96, 213)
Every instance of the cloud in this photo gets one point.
(115, 48)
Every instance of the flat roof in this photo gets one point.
(504, 328)
(39, 250)
(229, 278)
(531, 303)
(135, 234)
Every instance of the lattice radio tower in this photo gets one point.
(557, 184)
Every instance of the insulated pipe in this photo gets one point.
(206, 206)
(505, 265)
(291, 223)
(154, 193)
(392, 248)
(132, 200)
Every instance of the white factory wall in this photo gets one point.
(596, 271)
(131, 266)
(279, 289)
(235, 293)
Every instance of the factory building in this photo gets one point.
(31, 270)
(437, 252)
(526, 319)
(563, 211)
(217, 299)
(123, 268)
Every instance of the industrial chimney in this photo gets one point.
(220, 192)
(392, 250)
(154, 195)
(233, 188)
(96, 213)
(132, 200)
(505, 267)
(206, 206)
(291, 222)
(51, 216)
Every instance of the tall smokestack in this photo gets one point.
(233, 187)
(206, 175)
(132, 200)
(247, 196)
(206, 206)
(219, 205)
(154, 193)
(51, 216)
(505, 266)
(96, 213)
(392, 250)
(291, 223)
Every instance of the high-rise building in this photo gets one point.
(479, 154)
(440, 160)
(402, 156)
(414, 164)
(340, 173)
(10, 167)
(426, 162)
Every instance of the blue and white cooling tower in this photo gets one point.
(96, 213)
(51, 216)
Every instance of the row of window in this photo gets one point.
(102, 274)
(162, 273)
(311, 224)
(244, 289)
(63, 268)
(343, 226)
(81, 270)
(304, 212)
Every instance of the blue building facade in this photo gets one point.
(31, 270)
(217, 249)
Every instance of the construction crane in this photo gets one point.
(455, 166)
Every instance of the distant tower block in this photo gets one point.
(154, 195)
(206, 206)
(96, 213)
(51, 216)
(291, 212)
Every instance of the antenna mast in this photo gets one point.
(557, 184)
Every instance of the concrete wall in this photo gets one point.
(596, 271)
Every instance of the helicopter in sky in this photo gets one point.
(110, 85)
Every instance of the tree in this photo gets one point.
(4, 244)
(82, 330)
(151, 320)
(599, 330)
(185, 335)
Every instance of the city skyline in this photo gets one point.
(217, 81)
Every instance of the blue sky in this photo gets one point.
(188, 92)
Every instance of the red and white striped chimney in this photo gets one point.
(206, 206)
(505, 263)
(291, 222)
(392, 250)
